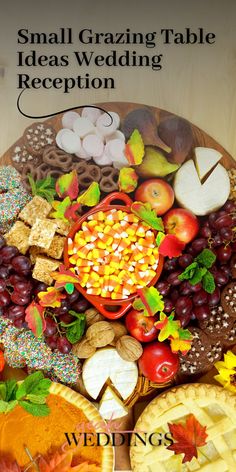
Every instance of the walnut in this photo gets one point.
(83, 349)
(100, 334)
(129, 348)
(93, 316)
(120, 330)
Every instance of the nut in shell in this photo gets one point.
(129, 348)
(120, 330)
(83, 349)
(93, 316)
(100, 334)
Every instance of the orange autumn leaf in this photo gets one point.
(187, 438)
(6, 466)
(85, 467)
(51, 298)
(58, 462)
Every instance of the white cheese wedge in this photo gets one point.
(104, 364)
(206, 159)
(199, 198)
(111, 407)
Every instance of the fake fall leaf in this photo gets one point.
(167, 326)
(60, 208)
(187, 438)
(148, 300)
(181, 343)
(6, 466)
(145, 212)
(62, 462)
(91, 196)
(134, 149)
(65, 278)
(67, 185)
(70, 213)
(51, 298)
(35, 318)
(171, 246)
(128, 180)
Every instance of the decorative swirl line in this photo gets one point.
(58, 112)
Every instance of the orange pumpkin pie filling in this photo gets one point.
(42, 435)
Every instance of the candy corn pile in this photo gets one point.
(113, 254)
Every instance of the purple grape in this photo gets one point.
(171, 264)
(15, 312)
(7, 253)
(200, 298)
(185, 288)
(185, 260)
(223, 222)
(2, 242)
(205, 232)
(202, 312)
(51, 327)
(224, 254)
(21, 265)
(63, 345)
(221, 278)
(199, 244)
(163, 287)
(169, 305)
(173, 278)
(214, 298)
(183, 306)
(4, 272)
(5, 299)
(19, 299)
(2, 285)
(80, 306)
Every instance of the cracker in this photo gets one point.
(38, 207)
(56, 247)
(42, 233)
(34, 252)
(43, 268)
(63, 227)
(18, 236)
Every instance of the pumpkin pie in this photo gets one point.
(213, 409)
(69, 413)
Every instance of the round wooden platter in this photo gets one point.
(200, 138)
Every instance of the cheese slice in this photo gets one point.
(206, 159)
(199, 198)
(111, 407)
(104, 364)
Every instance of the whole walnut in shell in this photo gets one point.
(93, 316)
(129, 348)
(83, 349)
(100, 334)
(120, 330)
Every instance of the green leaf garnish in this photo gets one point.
(31, 394)
(44, 188)
(75, 329)
(206, 258)
(34, 409)
(198, 271)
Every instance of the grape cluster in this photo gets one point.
(192, 302)
(18, 289)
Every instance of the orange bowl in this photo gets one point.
(112, 309)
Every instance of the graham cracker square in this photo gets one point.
(38, 207)
(42, 233)
(43, 268)
(18, 236)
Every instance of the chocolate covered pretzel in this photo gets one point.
(109, 180)
(55, 157)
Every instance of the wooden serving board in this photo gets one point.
(200, 138)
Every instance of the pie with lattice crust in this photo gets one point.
(212, 406)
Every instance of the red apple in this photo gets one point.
(182, 223)
(158, 193)
(141, 327)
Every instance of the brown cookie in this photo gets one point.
(215, 352)
(228, 299)
(109, 180)
(218, 324)
(196, 360)
(20, 156)
(233, 266)
(55, 157)
(37, 136)
(230, 339)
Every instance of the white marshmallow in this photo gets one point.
(91, 113)
(83, 126)
(59, 136)
(70, 141)
(105, 125)
(68, 119)
(93, 145)
(116, 135)
(103, 160)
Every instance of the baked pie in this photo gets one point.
(69, 412)
(212, 406)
